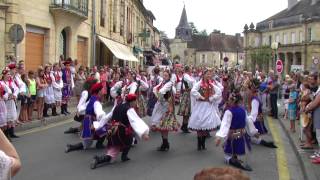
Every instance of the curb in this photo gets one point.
(38, 123)
(302, 165)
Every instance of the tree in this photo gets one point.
(261, 56)
(194, 28)
(203, 33)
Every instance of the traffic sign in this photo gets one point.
(315, 61)
(225, 59)
(16, 33)
(279, 66)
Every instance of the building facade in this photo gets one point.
(202, 50)
(296, 32)
(70, 28)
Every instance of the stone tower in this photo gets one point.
(184, 31)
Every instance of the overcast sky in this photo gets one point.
(229, 16)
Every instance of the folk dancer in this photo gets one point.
(155, 80)
(204, 118)
(185, 104)
(68, 85)
(5, 91)
(49, 100)
(234, 131)
(163, 116)
(57, 84)
(124, 123)
(93, 112)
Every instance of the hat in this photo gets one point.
(12, 66)
(131, 97)
(4, 72)
(89, 82)
(67, 62)
(96, 88)
(255, 84)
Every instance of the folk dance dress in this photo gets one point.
(204, 116)
(236, 130)
(4, 95)
(68, 85)
(57, 85)
(152, 99)
(48, 93)
(141, 101)
(163, 116)
(185, 104)
(12, 115)
(116, 91)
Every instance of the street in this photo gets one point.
(42, 154)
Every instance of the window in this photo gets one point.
(277, 38)
(257, 42)
(301, 39)
(203, 59)
(293, 38)
(270, 24)
(102, 12)
(270, 40)
(285, 38)
(122, 17)
(264, 40)
(115, 15)
(309, 34)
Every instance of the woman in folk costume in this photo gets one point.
(163, 117)
(49, 100)
(155, 80)
(12, 115)
(116, 90)
(5, 91)
(68, 85)
(93, 112)
(141, 91)
(235, 131)
(176, 78)
(124, 123)
(82, 104)
(57, 84)
(185, 104)
(204, 118)
(256, 114)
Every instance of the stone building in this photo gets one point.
(297, 32)
(69, 27)
(201, 50)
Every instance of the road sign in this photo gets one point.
(279, 66)
(16, 33)
(225, 59)
(315, 61)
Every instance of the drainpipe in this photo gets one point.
(94, 32)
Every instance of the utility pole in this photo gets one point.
(94, 32)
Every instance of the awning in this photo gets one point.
(119, 50)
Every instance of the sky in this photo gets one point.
(228, 16)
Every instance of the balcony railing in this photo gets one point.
(79, 7)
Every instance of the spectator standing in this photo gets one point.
(79, 81)
(292, 107)
(56, 78)
(41, 86)
(25, 100)
(68, 85)
(32, 85)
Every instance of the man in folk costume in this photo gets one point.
(235, 131)
(49, 100)
(68, 85)
(204, 118)
(185, 104)
(57, 84)
(93, 112)
(155, 80)
(5, 93)
(256, 115)
(125, 122)
(12, 114)
(81, 107)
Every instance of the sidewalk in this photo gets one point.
(310, 170)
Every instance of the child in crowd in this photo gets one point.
(292, 106)
(25, 100)
(32, 85)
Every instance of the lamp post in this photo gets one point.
(237, 56)
(275, 47)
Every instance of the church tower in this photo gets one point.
(184, 31)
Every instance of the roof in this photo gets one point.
(184, 20)
(216, 42)
(303, 9)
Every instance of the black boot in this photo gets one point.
(99, 144)
(98, 160)
(185, 129)
(164, 146)
(203, 144)
(75, 147)
(45, 110)
(11, 133)
(199, 143)
(6, 132)
(66, 109)
(54, 110)
(268, 144)
(236, 163)
(72, 131)
(124, 155)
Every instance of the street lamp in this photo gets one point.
(237, 55)
(275, 47)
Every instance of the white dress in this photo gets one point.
(57, 85)
(12, 114)
(49, 93)
(3, 107)
(204, 115)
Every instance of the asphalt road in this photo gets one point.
(43, 157)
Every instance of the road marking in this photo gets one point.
(42, 128)
(280, 151)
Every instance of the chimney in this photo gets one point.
(291, 3)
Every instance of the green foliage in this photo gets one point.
(262, 56)
(194, 28)
(203, 33)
